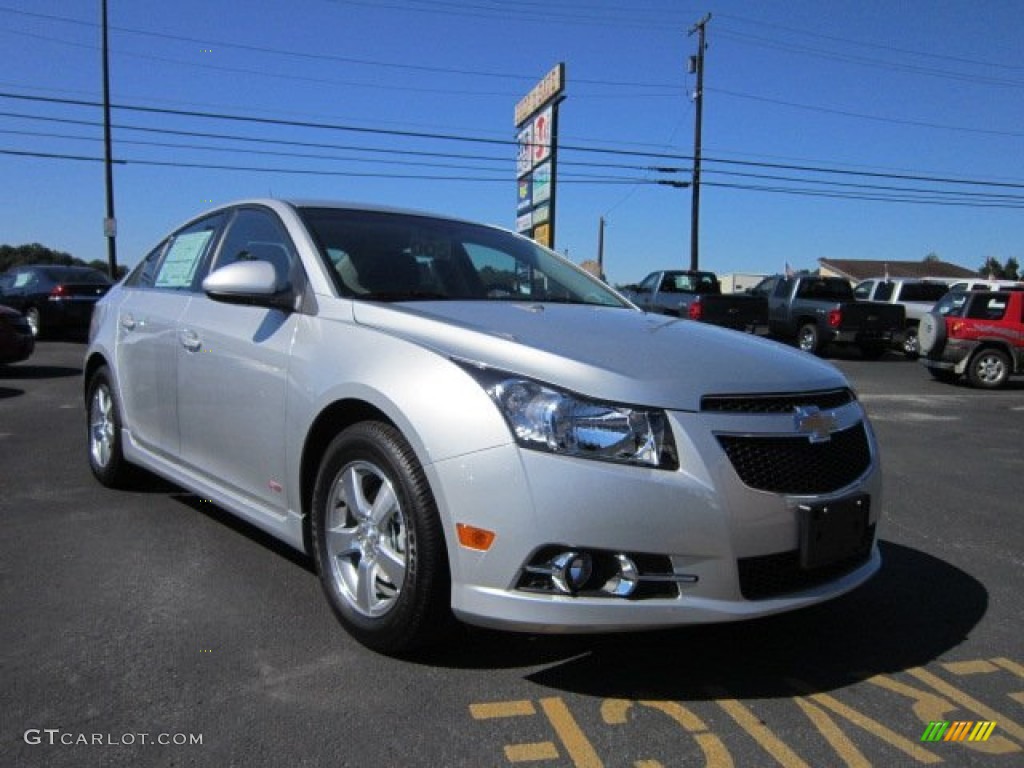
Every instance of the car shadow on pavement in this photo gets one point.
(6, 392)
(913, 611)
(27, 371)
(240, 526)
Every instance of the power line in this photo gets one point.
(450, 137)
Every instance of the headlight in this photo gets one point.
(547, 419)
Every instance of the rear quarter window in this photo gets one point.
(988, 307)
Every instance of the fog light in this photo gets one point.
(570, 571)
(625, 582)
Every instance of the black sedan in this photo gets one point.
(53, 298)
(16, 340)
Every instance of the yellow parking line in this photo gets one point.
(908, 747)
(758, 731)
(576, 743)
(927, 705)
(833, 734)
(530, 753)
(502, 709)
(967, 702)
(978, 667)
(1012, 666)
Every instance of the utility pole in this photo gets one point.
(697, 65)
(109, 223)
(600, 246)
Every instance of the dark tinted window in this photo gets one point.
(990, 306)
(924, 292)
(884, 292)
(863, 291)
(825, 288)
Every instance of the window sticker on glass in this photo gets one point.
(180, 265)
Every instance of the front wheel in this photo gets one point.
(989, 369)
(377, 540)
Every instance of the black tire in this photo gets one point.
(931, 335)
(103, 433)
(989, 368)
(386, 579)
(872, 351)
(808, 339)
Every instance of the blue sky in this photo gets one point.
(873, 90)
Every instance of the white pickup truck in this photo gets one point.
(916, 296)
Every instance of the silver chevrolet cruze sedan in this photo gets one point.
(453, 421)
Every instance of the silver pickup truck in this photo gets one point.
(917, 298)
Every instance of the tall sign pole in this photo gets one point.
(109, 223)
(697, 64)
(536, 161)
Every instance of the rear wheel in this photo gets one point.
(988, 369)
(911, 346)
(106, 459)
(377, 541)
(808, 338)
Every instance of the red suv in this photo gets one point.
(977, 333)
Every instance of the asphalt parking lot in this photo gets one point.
(150, 628)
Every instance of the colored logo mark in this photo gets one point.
(960, 730)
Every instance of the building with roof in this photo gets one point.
(856, 270)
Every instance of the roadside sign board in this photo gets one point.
(536, 153)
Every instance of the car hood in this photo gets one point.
(606, 353)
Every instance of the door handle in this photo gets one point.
(128, 322)
(190, 340)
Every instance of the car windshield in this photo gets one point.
(379, 256)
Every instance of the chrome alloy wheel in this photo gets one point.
(102, 428)
(990, 369)
(366, 539)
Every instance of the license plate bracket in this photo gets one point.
(833, 531)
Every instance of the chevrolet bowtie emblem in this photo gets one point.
(815, 423)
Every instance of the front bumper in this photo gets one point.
(702, 520)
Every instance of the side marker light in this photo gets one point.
(474, 538)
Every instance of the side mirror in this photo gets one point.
(248, 282)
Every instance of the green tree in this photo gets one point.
(931, 257)
(34, 253)
(992, 269)
(1012, 269)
